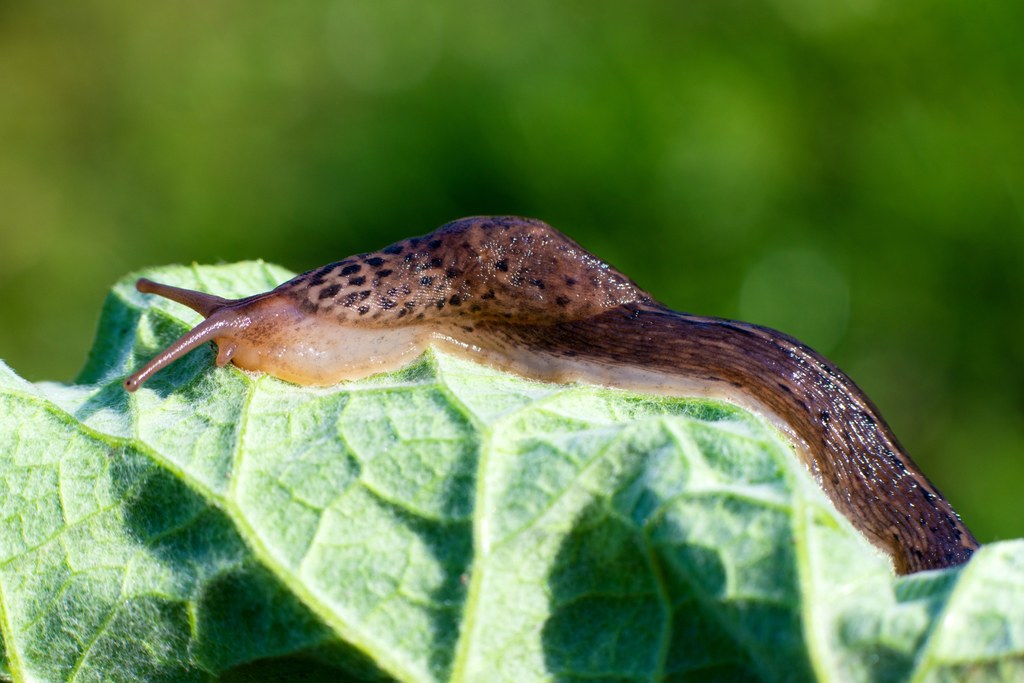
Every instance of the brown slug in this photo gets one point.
(519, 295)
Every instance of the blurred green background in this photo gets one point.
(851, 172)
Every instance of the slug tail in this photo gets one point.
(208, 330)
(200, 302)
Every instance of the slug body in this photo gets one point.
(521, 296)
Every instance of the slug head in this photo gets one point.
(275, 334)
(243, 329)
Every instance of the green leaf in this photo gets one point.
(445, 522)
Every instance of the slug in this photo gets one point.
(519, 295)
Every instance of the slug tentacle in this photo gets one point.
(200, 302)
(208, 330)
(224, 354)
(519, 295)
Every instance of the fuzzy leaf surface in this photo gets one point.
(447, 522)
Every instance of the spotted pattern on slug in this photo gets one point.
(494, 268)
